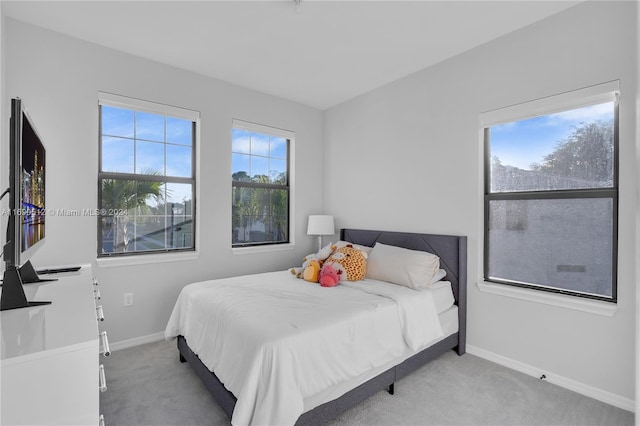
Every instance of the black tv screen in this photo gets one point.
(27, 161)
(32, 186)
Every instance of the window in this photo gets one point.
(551, 193)
(146, 177)
(260, 181)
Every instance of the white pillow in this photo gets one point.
(438, 276)
(409, 268)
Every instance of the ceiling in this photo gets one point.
(324, 54)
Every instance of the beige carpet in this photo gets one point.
(147, 385)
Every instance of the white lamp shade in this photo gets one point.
(320, 225)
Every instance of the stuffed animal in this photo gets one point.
(326, 251)
(312, 272)
(351, 261)
(319, 257)
(306, 261)
(329, 275)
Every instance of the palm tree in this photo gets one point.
(122, 197)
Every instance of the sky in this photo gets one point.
(136, 142)
(524, 142)
(258, 154)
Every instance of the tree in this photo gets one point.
(120, 197)
(260, 203)
(239, 198)
(587, 154)
(276, 205)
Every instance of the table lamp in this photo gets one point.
(320, 225)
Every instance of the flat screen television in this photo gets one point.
(27, 213)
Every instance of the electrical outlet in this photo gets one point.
(128, 299)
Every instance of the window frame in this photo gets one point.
(290, 137)
(592, 95)
(139, 105)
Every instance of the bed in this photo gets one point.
(277, 391)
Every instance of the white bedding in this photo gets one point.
(254, 333)
(442, 296)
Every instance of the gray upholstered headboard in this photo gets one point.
(452, 250)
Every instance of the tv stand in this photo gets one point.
(29, 274)
(58, 270)
(13, 296)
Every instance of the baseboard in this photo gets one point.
(124, 344)
(556, 379)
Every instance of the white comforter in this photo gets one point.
(274, 340)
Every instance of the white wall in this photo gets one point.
(416, 142)
(408, 157)
(4, 124)
(59, 77)
(637, 209)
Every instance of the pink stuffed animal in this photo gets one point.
(329, 276)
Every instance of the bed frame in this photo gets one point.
(452, 251)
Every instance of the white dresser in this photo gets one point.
(49, 365)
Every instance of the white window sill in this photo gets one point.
(569, 302)
(262, 249)
(143, 259)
